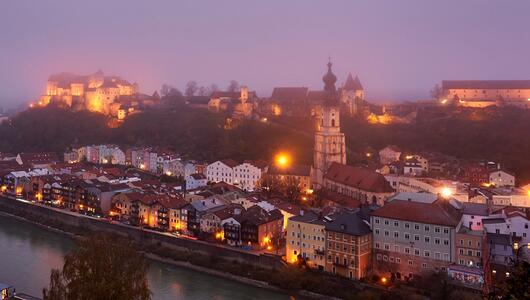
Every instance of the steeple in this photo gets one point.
(329, 86)
(353, 84)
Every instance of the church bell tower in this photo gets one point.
(330, 143)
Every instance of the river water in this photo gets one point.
(29, 252)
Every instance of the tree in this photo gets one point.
(164, 90)
(191, 88)
(517, 285)
(436, 92)
(102, 266)
(203, 91)
(233, 86)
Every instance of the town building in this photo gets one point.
(349, 244)
(299, 175)
(411, 238)
(389, 154)
(501, 178)
(306, 240)
(195, 181)
(358, 183)
(221, 170)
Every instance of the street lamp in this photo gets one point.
(282, 160)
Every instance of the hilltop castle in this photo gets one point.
(110, 95)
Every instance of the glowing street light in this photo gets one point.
(383, 280)
(446, 192)
(282, 160)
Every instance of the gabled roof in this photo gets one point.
(475, 209)
(360, 178)
(440, 212)
(352, 84)
(229, 162)
(289, 93)
(38, 157)
(198, 176)
(485, 84)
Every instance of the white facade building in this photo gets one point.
(221, 170)
(195, 181)
(248, 174)
(502, 178)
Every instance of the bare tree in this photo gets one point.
(436, 92)
(164, 90)
(191, 88)
(202, 91)
(233, 86)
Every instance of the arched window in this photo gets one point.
(332, 122)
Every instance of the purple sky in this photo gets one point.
(399, 49)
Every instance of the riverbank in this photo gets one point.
(292, 281)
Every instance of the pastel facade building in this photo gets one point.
(408, 241)
(306, 239)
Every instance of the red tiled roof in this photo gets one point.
(440, 212)
(360, 178)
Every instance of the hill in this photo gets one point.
(495, 134)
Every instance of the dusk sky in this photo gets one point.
(399, 49)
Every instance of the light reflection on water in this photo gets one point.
(28, 253)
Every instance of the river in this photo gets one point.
(29, 252)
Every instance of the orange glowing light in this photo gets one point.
(269, 247)
(3, 188)
(282, 160)
(38, 196)
(446, 192)
(266, 240)
(383, 280)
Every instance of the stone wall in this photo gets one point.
(44, 215)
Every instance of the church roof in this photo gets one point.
(352, 84)
(360, 178)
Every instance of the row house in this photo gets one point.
(255, 228)
(306, 240)
(159, 211)
(411, 238)
(102, 154)
(195, 210)
(246, 175)
(298, 174)
(349, 244)
(514, 222)
(212, 221)
(358, 183)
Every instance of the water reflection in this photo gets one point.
(28, 253)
